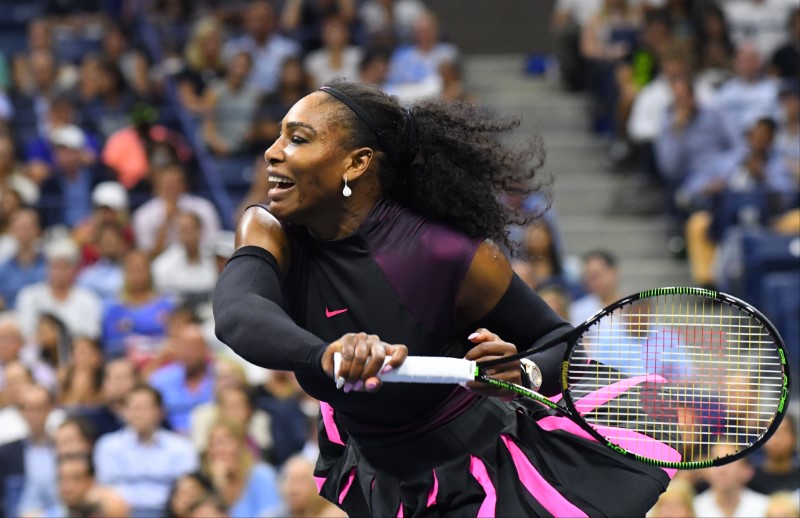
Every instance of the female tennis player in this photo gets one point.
(381, 240)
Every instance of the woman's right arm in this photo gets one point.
(247, 300)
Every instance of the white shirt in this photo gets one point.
(743, 103)
(81, 311)
(751, 505)
(763, 23)
(148, 218)
(318, 65)
(173, 274)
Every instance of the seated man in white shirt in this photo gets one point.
(154, 222)
(728, 495)
(142, 460)
(186, 268)
(79, 308)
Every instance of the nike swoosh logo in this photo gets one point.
(329, 313)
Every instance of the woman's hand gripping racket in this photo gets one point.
(662, 376)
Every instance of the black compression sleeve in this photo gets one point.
(249, 319)
(524, 319)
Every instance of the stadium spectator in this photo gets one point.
(388, 23)
(281, 398)
(143, 145)
(81, 379)
(540, 263)
(26, 265)
(108, 111)
(785, 61)
(779, 470)
(247, 486)
(185, 492)
(267, 48)
(691, 136)
(607, 38)
(119, 378)
(105, 276)
(110, 205)
(336, 58)
(132, 62)
(79, 493)
(13, 349)
(16, 379)
(782, 504)
(12, 175)
(74, 436)
(601, 280)
(761, 22)
(210, 506)
(135, 322)
(119, 455)
(749, 95)
(713, 48)
(233, 402)
(188, 382)
(299, 496)
(304, 20)
(66, 194)
(39, 38)
(756, 168)
(728, 494)
(557, 298)
(676, 502)
(77, 307)
(293, 85)
(231, 105)
(414, 69)
(186, 269)
(202, 64)
(154, 223)
(52, 341)
(40, 150)
(38, 453)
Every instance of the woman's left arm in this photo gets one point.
(505, 311)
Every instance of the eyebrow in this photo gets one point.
(298, 124)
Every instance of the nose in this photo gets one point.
(273, 153)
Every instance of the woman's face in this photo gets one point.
(85, 354)
(222, 445)
(308, 158)
(187, 492)
(137, 273)
(235, 407)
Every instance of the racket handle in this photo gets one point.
(424, 369)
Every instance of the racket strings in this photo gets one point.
(677, 370)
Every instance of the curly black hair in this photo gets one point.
(458, 172)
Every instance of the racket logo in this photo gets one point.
(617, 449)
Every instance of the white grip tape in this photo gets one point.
(424, 369)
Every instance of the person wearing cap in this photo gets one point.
(110, 204)
(66, 193)
(77, 307)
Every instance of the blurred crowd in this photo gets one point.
(116, 398)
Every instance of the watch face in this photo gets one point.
(533, 373)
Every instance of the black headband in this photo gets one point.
(409, 138)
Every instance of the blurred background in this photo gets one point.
(132, 135)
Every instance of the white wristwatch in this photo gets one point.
(531, 374)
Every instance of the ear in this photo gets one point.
(358, 162)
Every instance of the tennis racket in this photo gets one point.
(681, 378)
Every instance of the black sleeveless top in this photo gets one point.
(396, 277)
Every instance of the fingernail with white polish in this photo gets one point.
(339, 383)
(473, 336)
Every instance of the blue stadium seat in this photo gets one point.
(764, 253)
(780, 296)
(15, 14)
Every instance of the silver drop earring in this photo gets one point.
(347, 191)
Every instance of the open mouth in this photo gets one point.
(281, 182)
